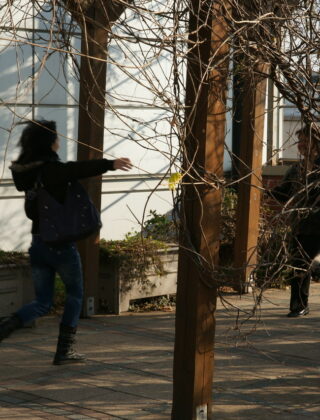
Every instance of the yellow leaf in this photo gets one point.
(174, 180)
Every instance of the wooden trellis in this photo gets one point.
(196, 293)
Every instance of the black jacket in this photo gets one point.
(55, 176)
(301, 193)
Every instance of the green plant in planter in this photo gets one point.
(159, 303)
(139, 254)
(13, 257)
(160, 227)
(135, 257)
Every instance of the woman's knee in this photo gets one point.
(44, 308)
(75, 289)
(76, 296)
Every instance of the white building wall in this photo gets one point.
(34, 84)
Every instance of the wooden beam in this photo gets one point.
(200, 216)
(91, 133)
(96, 22)
(95, 18)
(250, 172)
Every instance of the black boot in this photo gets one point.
(65, 353)
(8, 325)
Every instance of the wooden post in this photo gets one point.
(90, 132)
(95, 24)
(250, 172)
(200, 217)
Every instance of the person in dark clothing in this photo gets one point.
(39, 145)
(300, 193)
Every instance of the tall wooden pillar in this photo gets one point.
(95, 23)
(200, 216)
(90, 132)
(250, 173)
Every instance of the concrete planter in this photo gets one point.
(116, 293)
(16, 287)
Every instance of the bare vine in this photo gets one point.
(148, 44)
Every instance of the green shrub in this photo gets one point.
(160, 227)
(13, 257)
(59, 293)
(135, 256)
(272, 269)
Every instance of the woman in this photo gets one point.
(39, 145)
(300, 191)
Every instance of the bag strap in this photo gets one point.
(38, 183)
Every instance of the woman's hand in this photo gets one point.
(122, 163)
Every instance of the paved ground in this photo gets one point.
(271, 373)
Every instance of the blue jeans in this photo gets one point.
(46, 261)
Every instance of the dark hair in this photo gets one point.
(36, 140)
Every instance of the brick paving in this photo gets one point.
(263, 369)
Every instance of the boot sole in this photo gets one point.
(68, 362)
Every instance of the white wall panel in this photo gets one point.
(141, 134)
(15, 72)
(15, 227)
(289, 146)
(9, 136)
(151, 21)
(67, 126)
(46, 14)
(55, 81)
(19, 16)
(116, 216)
(142, 75)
